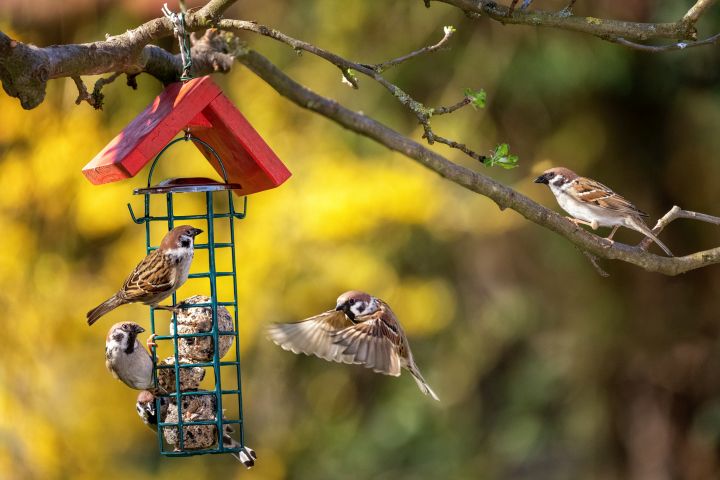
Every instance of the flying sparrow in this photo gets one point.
(195, 408)
(592, 203)
(155, 278)
(361, 330)
(126, 358)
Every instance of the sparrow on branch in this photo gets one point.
(591, 203)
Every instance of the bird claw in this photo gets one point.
(151, 341)
(609, 242)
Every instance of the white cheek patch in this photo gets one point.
(114, 345)
(179, 252)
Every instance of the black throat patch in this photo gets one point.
(131, 343)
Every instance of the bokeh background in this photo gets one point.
(545, 369)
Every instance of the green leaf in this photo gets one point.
(502, 157)
(477, 97)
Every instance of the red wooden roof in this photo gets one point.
(200, 105)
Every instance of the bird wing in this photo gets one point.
(595, 193)
(312, 336)
(376, 341)
(153, 276)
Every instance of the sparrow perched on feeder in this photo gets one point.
(126, 358)
(195, 408)
(157, 276)
(361, 330)
(592, 203)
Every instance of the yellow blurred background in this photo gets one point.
(544, 369)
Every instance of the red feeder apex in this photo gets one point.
(199, 105)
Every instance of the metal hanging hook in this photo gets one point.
(178, 20)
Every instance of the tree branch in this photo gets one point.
(692, 16)
(675, 213)
(25, 70)
(606, 29)
(665, 48)
(421, 112)
(503, 196)
(380, 67)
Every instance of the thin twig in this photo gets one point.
(503, 196)
(422, 113)
(97, 95)
(83, 94)
(692, 15)
(673, 214)
(604, 28)
(381, 67)
(595, 263)
(445, 110)
(665, 48)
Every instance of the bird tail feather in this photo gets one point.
(640, 226)
(108, 305)
(421, 383)
(246, 455)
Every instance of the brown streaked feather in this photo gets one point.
(313, 336)
(153, 276)
(376, 341)
(595, 193)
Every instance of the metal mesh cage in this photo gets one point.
(194, 420)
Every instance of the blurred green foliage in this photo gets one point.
(545, 370)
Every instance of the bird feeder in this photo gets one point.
(246, 165)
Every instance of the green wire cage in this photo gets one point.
(226, 393)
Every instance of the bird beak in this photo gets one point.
(541, 179)
(195, 232)
(340, 307)
(139, 329)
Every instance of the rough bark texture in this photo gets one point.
(26, 69)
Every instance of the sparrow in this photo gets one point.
(146, 408)
(197, 409)
(126, 358)
(200, 320)
(157, 276)
(592, 203)
(361, 329)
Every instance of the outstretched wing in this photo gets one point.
(313, 336)
(595, 193)
(375, 342)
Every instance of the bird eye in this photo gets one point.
(351, 301)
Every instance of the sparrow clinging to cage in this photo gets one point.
(157, 276)
(592, 203)
(145, 406)
(195, 408)
(126, 358)
(362, 329)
